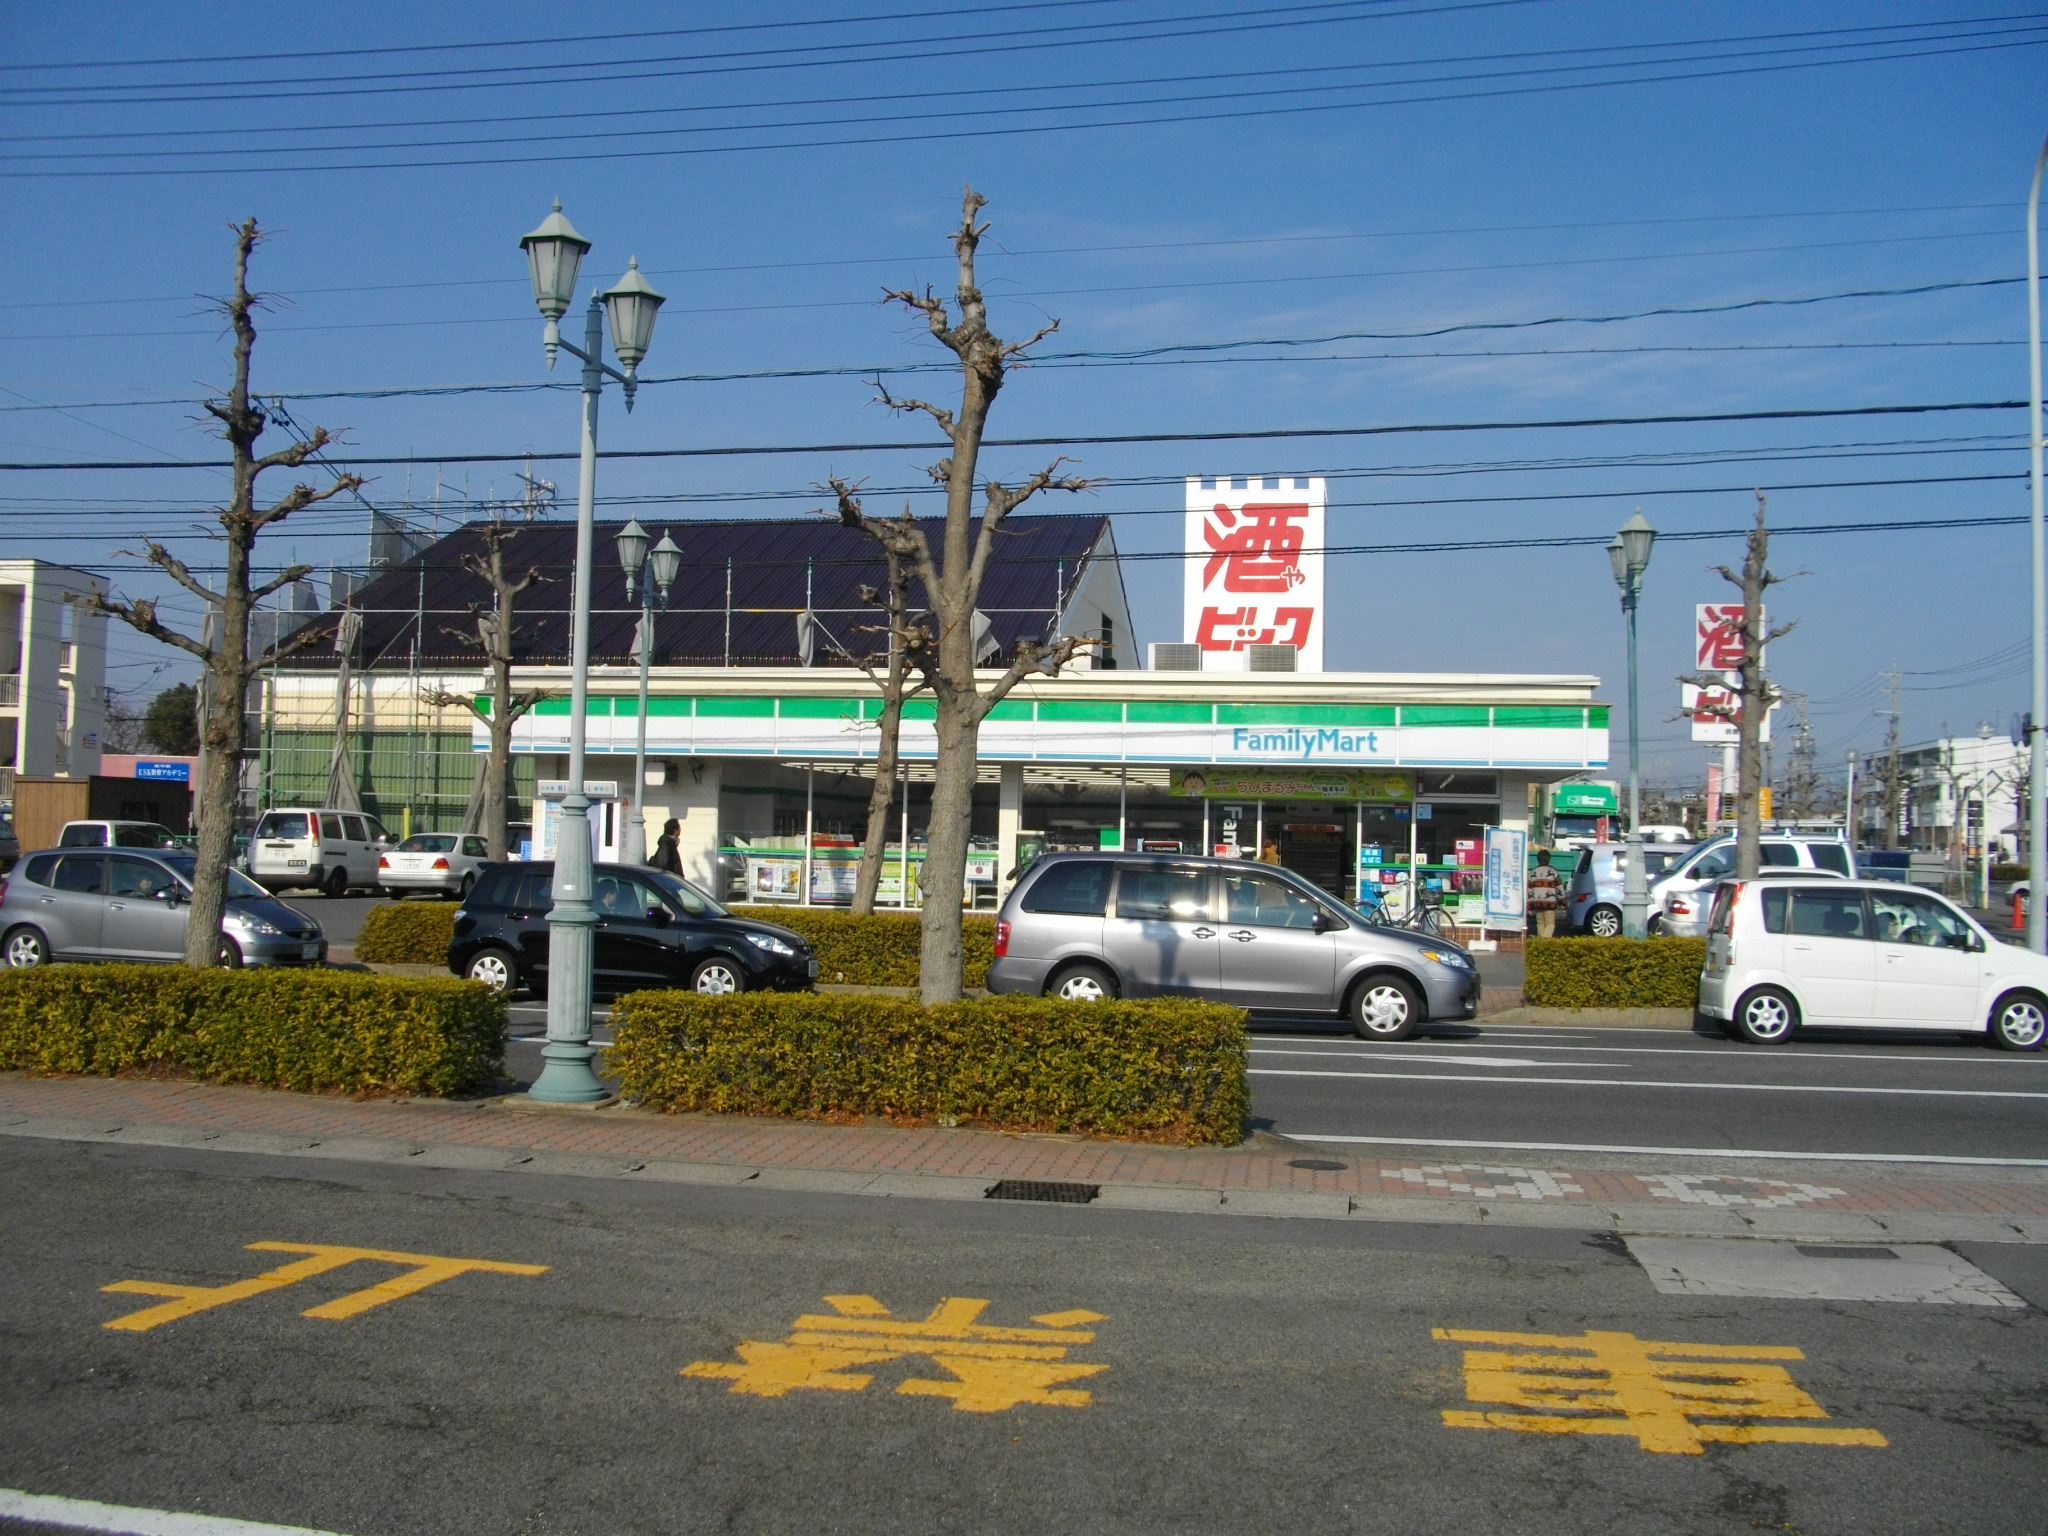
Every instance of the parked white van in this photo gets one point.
(1677, 893)
(327, 850)
(1869, 954)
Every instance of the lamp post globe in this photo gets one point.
(632, 541)
(554, 253)
(631, 305)
(668, 561)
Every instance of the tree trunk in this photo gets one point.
(868, 880)
(941, 973)
(220, 783)
(498, 774)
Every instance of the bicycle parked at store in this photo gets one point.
(1419, 912)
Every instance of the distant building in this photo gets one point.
(1955, 792)
(53, 666)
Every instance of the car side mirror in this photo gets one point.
(172, 897)
(660, 916)
(1322, 922)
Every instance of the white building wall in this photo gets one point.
(1100, 595)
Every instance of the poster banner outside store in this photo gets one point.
(1290, 784)
(1254, 568)
(1507, 876)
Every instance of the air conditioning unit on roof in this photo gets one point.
(1270, 658)
(1174, 656)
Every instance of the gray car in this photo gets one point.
(131, 905)
(1087, 926)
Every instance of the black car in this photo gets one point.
(653, 930)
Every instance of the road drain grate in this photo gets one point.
(1844, 1251)
(1317, 1164)
(1042, 1189)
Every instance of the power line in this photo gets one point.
(1245, 435)
(1439, 546)
(979, 109)
(1209, 116)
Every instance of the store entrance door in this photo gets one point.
(1313, 848)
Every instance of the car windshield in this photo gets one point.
(429, 842)
(240, 886)
(290, 825)
(142, 834)
(694, 903)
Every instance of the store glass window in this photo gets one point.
(1482, 785)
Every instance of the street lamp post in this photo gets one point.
(553, 253)
(1630, 556)
(668, 559)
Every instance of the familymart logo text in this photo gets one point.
(1298, 741)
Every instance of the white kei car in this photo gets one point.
(1868, 954)
(445, 863)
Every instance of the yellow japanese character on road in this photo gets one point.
(990, 1369)
(1654, 1393)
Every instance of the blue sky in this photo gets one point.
(1524, 191)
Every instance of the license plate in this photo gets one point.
(310, 951)
(294, 863)
(814, 970)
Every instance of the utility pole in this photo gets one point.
(1891, 763)
(1802, 774)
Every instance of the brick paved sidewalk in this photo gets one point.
(1264, 1177)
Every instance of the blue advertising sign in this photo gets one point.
(176, 773)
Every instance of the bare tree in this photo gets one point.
(495, 630)
(1754, 694)
(952, 579)
(891, 673)
(224, 652)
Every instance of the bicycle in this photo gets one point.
(1423, 915)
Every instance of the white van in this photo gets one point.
(328, 850)
(1867, 954)
(1676, 895)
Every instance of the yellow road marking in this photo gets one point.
(1650, 1391)
(991, 1369)
(187, 1300)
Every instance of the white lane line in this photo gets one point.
(2001, 1062)
(1573, 1146)
(1404, 1056)
(1609, 1082)
(84, 1515)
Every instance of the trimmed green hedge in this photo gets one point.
(1168, 1070)
(310, 1031)
(878, 951)
(1613, 973)
(407, 933)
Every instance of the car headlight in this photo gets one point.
(769, 942)
(253, 924)
(1450, 957)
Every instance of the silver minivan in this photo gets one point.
(127, 904)
(1086, 926)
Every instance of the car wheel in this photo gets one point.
(468, 884)
(230, 956)
(1082, 984)
(2018, 1022)
(1385, 1008)
(336, 883)
(1766, 1016)
(1654, 927)
(495, 968)
(718, 977)
(1604, 922)
(27, 948)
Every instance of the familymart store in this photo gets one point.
(1348, 778)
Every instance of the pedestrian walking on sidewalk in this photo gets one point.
(1546, 894)
(667, 850)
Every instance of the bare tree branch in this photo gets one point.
(937, 413)
(140, 614)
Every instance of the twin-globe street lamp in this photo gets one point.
(553, 253)
(1630, 556)
(661, 572)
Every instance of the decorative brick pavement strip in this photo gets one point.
(1253, 1179)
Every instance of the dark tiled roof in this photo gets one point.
(1038, 562)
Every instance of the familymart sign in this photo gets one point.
(1097, 731)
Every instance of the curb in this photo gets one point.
(1627, 1220)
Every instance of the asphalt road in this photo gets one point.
(1258, 1374)
(1503, 1086)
